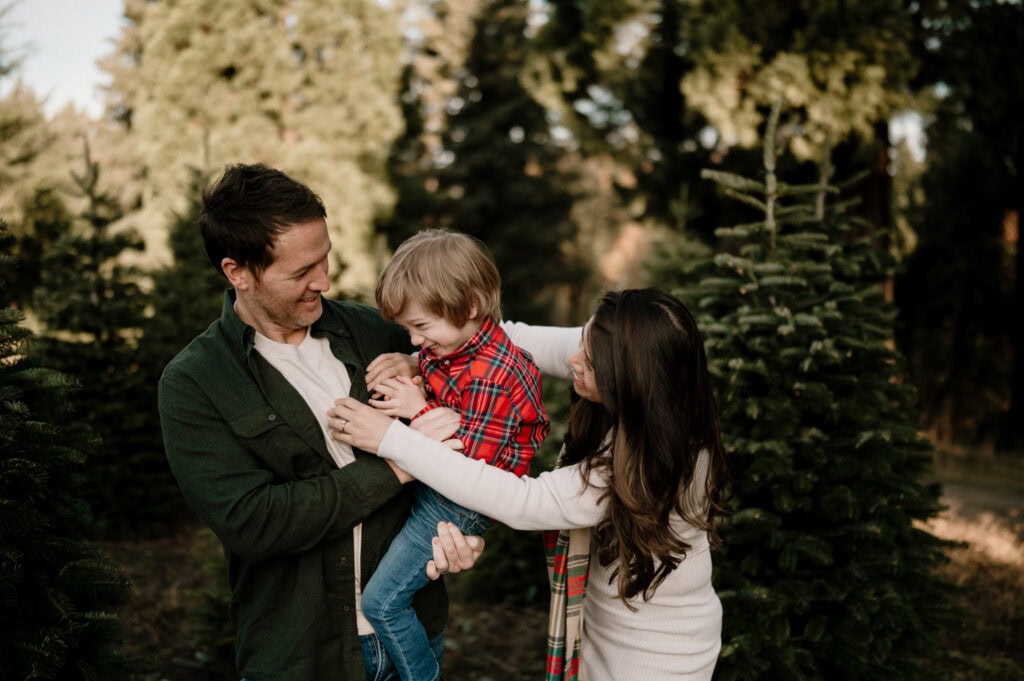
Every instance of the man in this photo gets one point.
(304, 519)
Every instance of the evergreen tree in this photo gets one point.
(58, 591)
(45, 219)
(957, 342)
(309, 87)
(667, 88)
(824, 572)
(92, 307)
(504, 183)
(436, 41)
(973, 66)
(187, 294)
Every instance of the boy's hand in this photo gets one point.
(400, 396)
(389, 365)
(440, 424)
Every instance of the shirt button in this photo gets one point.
(272, 417)
(347, 609)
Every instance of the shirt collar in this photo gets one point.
(471, 348)
(243, 336)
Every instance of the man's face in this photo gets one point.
(285, 300)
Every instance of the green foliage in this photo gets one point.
(209, 627)
(307, 87)
(503, 184)
(92, 306)
(957, 343)
(24, 135)
(58, 591)
(824, 572)
(961, 292)
(837, 65)
(45, 218)
(187, 294)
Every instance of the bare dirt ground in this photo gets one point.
(170, 585)
(984, 503)
(984, 500)
(984, 511)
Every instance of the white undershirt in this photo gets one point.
(320, 378)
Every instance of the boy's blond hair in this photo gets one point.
(445, 271)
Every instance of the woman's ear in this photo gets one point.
(238, 276)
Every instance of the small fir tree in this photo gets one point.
(58, 591)
(825, 571)
(92, 306)
(187, 294)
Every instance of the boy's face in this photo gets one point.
(428, 330)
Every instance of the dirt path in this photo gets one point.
(982, 489)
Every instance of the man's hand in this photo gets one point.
(389, 365)
(400, 397)
(453, 551)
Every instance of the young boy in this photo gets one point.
(444, 288)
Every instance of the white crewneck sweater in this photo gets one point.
(675, 635)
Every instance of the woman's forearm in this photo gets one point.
(550, 346)
(554, 500)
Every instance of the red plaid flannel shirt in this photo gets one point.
(495, 387)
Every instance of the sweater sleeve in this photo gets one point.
(550, 346)
(554, 500)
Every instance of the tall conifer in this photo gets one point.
(504, 183)
(308, 87)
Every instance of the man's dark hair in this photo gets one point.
(245, 210)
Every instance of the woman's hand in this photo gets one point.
(453, 551)
(389, 365)
(357, 424)
(400, 396)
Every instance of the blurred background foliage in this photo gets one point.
(571, 138)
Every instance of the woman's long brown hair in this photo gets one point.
(658, 414)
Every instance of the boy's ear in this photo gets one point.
(474, 308)
(238, 276)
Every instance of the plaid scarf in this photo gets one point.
(568, 556)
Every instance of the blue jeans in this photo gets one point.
(387, 598)
(378, 664)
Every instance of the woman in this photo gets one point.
(637, 491)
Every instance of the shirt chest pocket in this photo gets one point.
(271, 440)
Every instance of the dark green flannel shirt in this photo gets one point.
(251, 460)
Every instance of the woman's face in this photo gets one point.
(583, 379)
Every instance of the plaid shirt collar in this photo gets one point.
(470, 349)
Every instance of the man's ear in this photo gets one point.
(238, 276)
